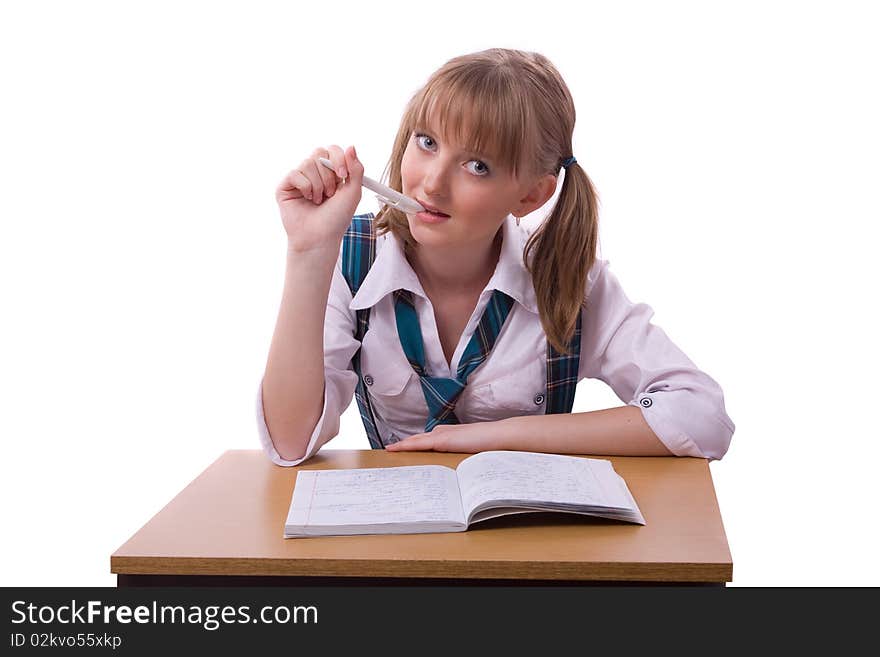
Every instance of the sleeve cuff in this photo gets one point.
(266, 440)
(658, 413)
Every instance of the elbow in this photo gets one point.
(290, 448)
(712, 427)
(714, 437)
(298, 445)
(286, 441)
(292, 439)
(289, 437)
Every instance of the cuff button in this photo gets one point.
(646, 402)
(539, 399)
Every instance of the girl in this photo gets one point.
(460, 331)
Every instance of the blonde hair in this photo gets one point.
(515, 107)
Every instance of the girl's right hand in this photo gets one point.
(316, 206)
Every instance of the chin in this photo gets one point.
(426, 234)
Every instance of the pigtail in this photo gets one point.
(561, 252)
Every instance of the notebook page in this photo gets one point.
(375, 496)
(509, 475)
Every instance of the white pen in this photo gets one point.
(386, 195)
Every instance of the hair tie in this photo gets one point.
(567, 163)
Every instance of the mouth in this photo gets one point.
(431, 211)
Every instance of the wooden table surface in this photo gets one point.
(230, 521)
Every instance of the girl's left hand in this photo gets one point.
(462, 438)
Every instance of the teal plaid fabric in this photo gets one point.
(562, 374)
(441, 394)
(358, 253)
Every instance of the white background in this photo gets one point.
(734, 147)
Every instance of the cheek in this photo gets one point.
(408, 172)
(483, 204)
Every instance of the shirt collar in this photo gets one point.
(391, 271)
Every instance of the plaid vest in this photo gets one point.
(358, 254)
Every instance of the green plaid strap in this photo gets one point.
(358, 254)
(562, 374)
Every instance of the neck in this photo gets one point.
(456, 269)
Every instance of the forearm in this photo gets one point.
(293, 383)
(619, 431)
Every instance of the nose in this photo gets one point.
(436, 181)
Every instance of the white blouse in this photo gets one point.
(619, 345)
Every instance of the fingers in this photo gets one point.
(337, 157)
(313, 181)
(303, 182)
(354, 167)
(326, 176)
(289, 187)
(418, 442)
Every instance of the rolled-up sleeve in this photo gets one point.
(683, 405)
(340, 379)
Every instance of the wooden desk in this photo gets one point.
(226, 527)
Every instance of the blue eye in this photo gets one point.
(485, 169)
(419, 136)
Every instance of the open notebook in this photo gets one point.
(435, 498)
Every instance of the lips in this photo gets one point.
(431, 208)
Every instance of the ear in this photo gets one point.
(536, 196)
